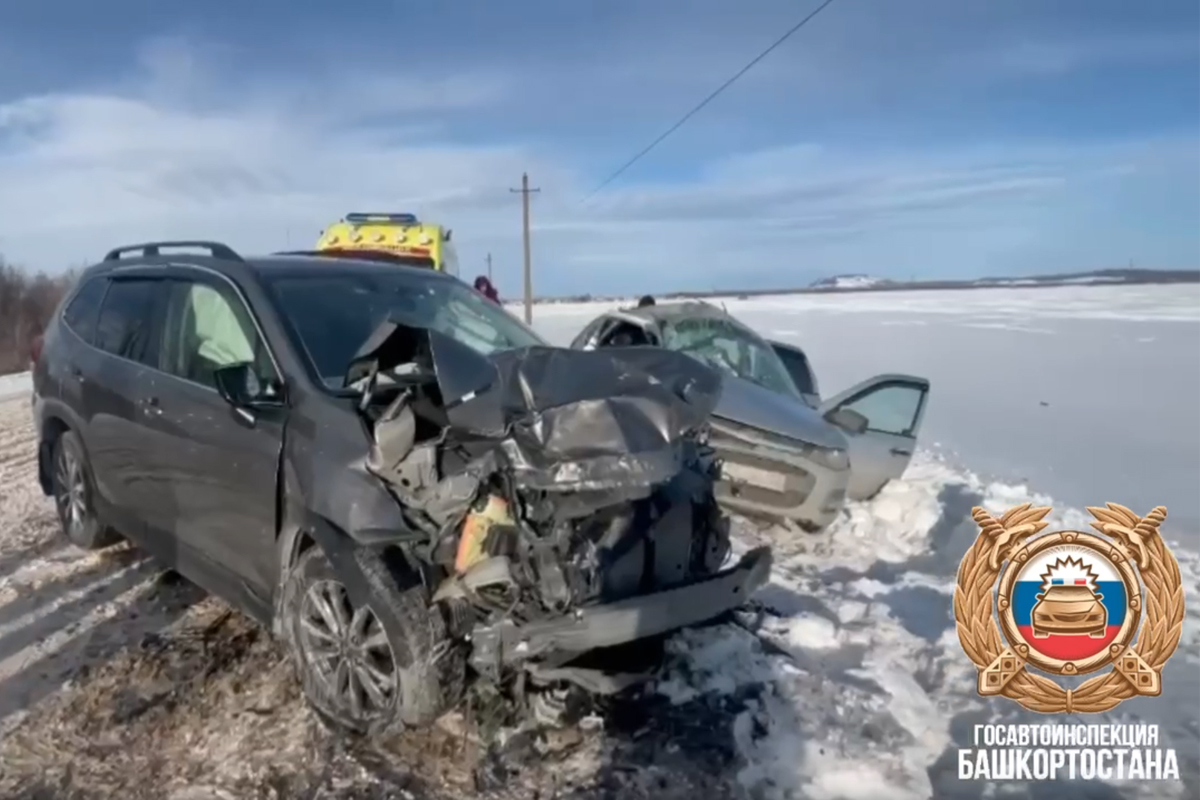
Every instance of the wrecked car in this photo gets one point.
(786, 454)
(395, 475)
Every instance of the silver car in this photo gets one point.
(786, 453)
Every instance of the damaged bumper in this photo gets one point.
(612, 624)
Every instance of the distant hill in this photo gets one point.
(848, 282)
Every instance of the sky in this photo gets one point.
(930, 139)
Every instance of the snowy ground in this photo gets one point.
(13, 385)
(858, 690)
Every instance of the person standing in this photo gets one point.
(485, 288)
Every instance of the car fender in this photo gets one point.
(367, 571)
(298, 521)
(54, 410)
(335, 543)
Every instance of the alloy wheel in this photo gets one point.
(347, 650)
(70, 491)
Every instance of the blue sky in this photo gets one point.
(930, 139)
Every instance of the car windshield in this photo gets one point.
(333, 312)
(732, 347)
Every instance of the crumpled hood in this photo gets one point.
(566, 420)
(750, 404)
(572, 412)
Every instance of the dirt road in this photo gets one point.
(120, 680)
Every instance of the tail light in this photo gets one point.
(35, 351)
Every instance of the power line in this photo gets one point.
(683, 120)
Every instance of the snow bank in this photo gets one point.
(16, 384)
(853, 690)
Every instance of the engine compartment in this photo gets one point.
(542, 481)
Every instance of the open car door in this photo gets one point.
(881, 417)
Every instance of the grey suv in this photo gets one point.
(393, 473)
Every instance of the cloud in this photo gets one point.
(191, 144)
(1034, 58)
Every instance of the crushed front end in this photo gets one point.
(563, 499)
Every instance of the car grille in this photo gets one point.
(730, 433)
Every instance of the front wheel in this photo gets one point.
(362, 670)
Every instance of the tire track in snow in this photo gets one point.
(56, 602)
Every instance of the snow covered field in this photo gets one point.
(1068, 397)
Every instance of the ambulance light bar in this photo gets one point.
(361, 218)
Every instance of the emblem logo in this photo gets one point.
(1069, 603)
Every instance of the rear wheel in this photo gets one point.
(366, 668)
(74, 491)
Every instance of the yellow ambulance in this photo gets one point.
(399, 237)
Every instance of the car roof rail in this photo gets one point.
(148, 249)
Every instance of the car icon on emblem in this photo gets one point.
(1071, 611)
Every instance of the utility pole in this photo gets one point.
(489, 263)
(525, 192)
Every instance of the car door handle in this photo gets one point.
(896, 451)
(76, 373)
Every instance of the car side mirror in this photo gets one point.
(238, 384)
(848, 419)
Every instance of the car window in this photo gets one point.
(208, 327)
(729, 346)
(890, 409)
(797, 366)
(81, 313)
(624, 334)
(124, 326)
(588, 331)
(331, 314)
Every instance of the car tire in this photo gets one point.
(347, 678)
(74, 492)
